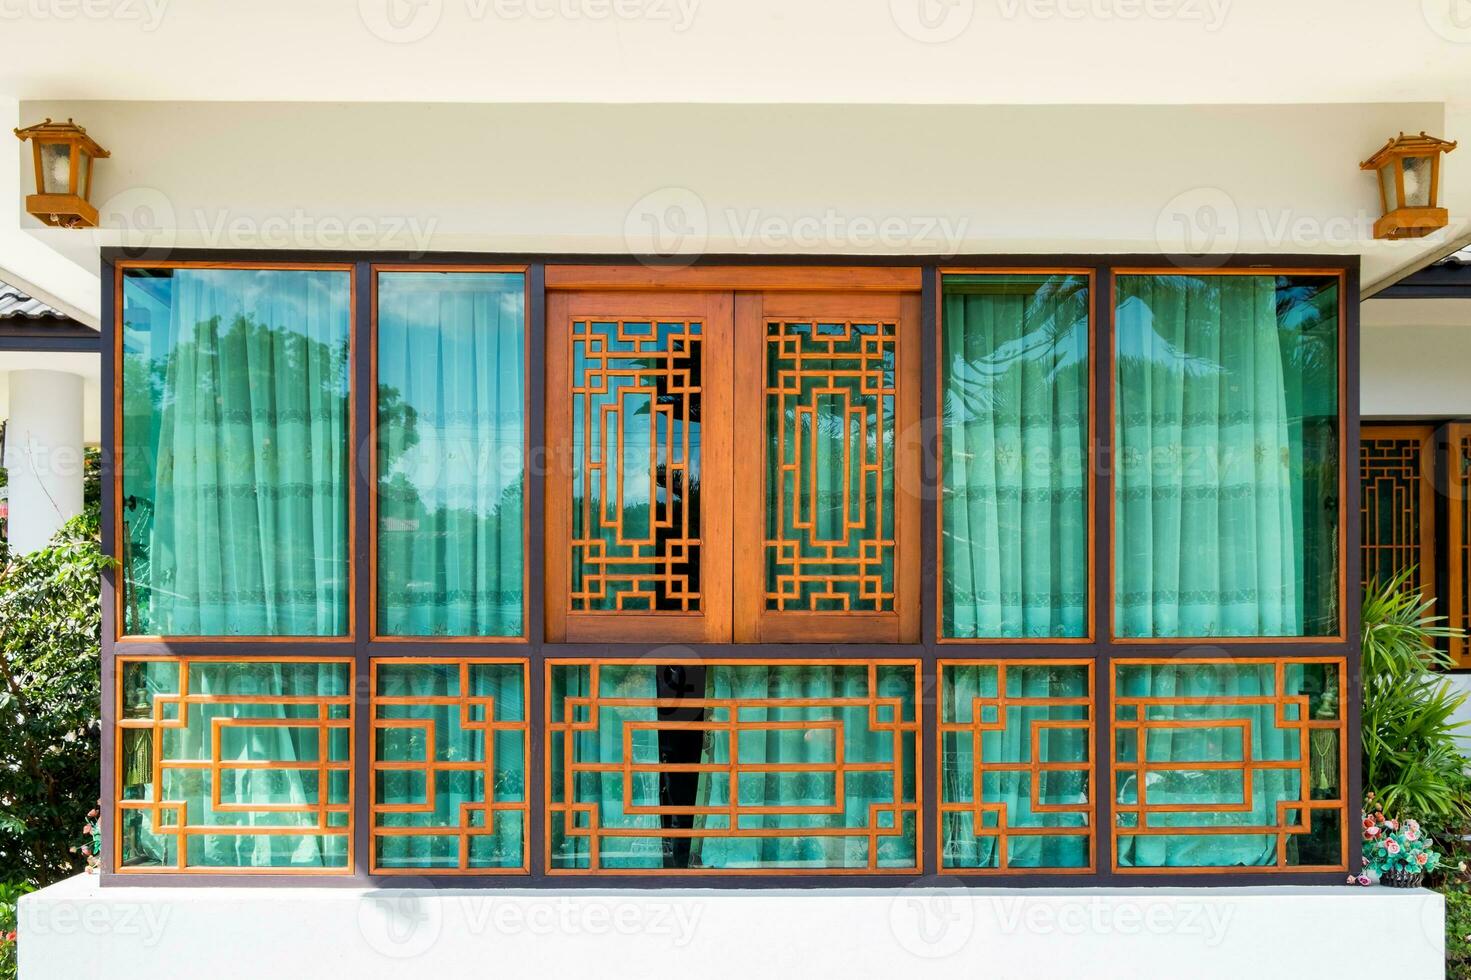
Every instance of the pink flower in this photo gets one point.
(1392, 847)
(1392, 824)
(1371, 832)
(1352, 880)
(1363, 879)
(1422, 857)
(1413, 825)
(1410, 835)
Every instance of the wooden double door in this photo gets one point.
(732, 464)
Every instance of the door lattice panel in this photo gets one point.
(238, 764)
(830, 403)
(450, 747)
(1016, 753)
(798, 766)
(1397, 509)
(636, 400)
(1229, 764)
(1458, 558)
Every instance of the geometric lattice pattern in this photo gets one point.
(800, 766)
(1229, 764)
(231, 764)
(830, 402)
(1016, 755)
(1396, 528)
(450, 745)
(1458, 551)
(636, 400)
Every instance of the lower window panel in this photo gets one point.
(730, 767)
(1222, 765)
(1016, 751)
(234, 764)
(450, 744)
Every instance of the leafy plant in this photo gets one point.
(50, 685)
(9, 901)
(1412, 762)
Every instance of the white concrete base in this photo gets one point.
(76, 929)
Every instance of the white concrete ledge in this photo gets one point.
(77, 929)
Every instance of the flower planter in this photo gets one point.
(1401, 879)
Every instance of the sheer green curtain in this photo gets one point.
(250, 796)
(604, 746)
(1064, 791)
(235, 449)
(1178, 746)
(456, 744)
(451, 436)
(1225, 482)
(1015, 456)
(795, 798)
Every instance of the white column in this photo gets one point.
(43, 455)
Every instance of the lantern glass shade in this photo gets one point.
(1417, 182)
(1386, 184)
(56, 165)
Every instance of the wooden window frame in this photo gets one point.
(1457, 538)
(1424, 434)
(545, 276)
(1090, 462)
(116, 479)
(430, 766)
(375, 270)
(156, 723)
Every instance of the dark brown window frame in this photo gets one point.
(1102, 649)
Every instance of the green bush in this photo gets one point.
(1412, 760)
(50, 685)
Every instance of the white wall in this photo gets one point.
(745, 178)
(74, 929)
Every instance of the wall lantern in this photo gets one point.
(64, 154)
(1409, 185)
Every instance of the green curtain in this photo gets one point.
(1214, 787)
(965, 844)
(1015, 456)
(1209, 482)
(823, 429)
(235, 452)
(605, 789)
(797, 790)
(247, 787)
(501, 847)
(451, 432)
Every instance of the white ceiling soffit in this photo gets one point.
(847, 51)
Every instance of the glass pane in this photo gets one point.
(1226, 479)
(235, 452)
(451, 456)
(830, 402)
(1417, 181)
(1014, 362)
(733, 767)
(1387, 186)
(636, 400)
(235, 764)
(56, 168)
(449, 753)
(1214, 750)
(1004, 727)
